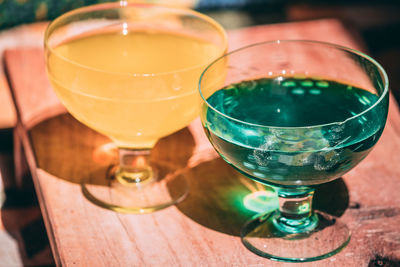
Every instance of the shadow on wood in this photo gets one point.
(332, 197)
(217, 193)
(73, 152)
(22, 235)
(216, 197)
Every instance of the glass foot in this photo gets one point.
(166, 187)
(322, 237)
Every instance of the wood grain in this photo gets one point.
(22, 36)
(202, 230)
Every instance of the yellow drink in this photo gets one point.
(134, 87)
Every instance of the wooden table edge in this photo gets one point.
(21, 137)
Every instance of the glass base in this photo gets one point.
(165, 188)
(321, 237)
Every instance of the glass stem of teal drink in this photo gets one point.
(280, 125)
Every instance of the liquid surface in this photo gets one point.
(134, 87)
(138, 52)
(293, 156)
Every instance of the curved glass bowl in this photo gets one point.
(130, 72)
(294, 114)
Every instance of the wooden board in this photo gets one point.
(22, 36)
(204, 229)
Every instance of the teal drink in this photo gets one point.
(305, 155)
(293, 115)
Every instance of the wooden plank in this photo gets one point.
(22, 236)
(203, 229)
(22, 36)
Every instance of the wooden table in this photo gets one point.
(204, 229)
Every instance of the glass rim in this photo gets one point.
(121, 5)
(381, 70)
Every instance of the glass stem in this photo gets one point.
(295, 210)
(134, 166)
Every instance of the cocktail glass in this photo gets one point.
(293, 115)
(130, 72)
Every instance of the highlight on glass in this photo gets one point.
(293, 115)
(130, 71)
